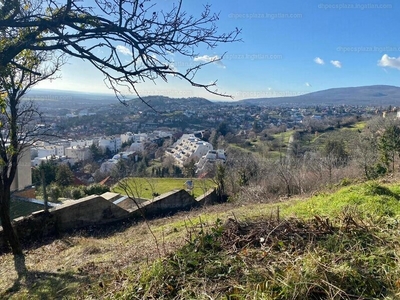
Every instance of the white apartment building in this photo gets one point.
(108, 165)
(112, 143)
(134, 137)
(211, 157)
(127, 137)
(188, 148)
(58, 159)
(78, 153)
(53, 150)
(137, 146)
(81, 143)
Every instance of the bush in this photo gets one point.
(77, 193)
(54, 192)
(96, 189)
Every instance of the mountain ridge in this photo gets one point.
(372, 95)
(381, 95)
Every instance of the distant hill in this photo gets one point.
(374, 95)
(46, 98)
(160, 103)
(79, 100)
(61, 95)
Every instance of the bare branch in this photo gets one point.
(110, 25)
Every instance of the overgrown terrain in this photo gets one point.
(339, 245)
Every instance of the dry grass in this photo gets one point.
(87, 258)
(228, 251)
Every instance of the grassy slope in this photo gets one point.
(164, 185)
(353, 254)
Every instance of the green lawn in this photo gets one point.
(369, 199)
(144, 187)
(359, 125)
(284, 136)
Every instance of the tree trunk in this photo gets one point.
(45, 198)
(10, 235)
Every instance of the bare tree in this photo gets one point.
(132, 188)
(365, 153)
(103, 34)
(19, 123)
(153, 186)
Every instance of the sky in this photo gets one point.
(288, 48)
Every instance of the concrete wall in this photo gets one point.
(35, 227)
(210, 197)
(167, 203)
(87, 211)
(97, 210)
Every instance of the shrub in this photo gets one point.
(96, 189)
(54, 192)
(77, 193)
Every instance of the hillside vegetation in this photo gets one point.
(339, 245)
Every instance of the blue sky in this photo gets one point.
(289, 47)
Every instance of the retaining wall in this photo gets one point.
(97, 210)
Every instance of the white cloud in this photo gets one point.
(123, 50)
(207, 58)
(391, 62)
(319, 61)
(308, 84)
(336, 63)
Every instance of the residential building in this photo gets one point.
(111, 143)
(188, 148)
(78, 153)
(137, 146)
(210, 158)
(81, 143)
(52, 150)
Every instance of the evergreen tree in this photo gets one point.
(64, 176)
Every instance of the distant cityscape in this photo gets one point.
(79, 122)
